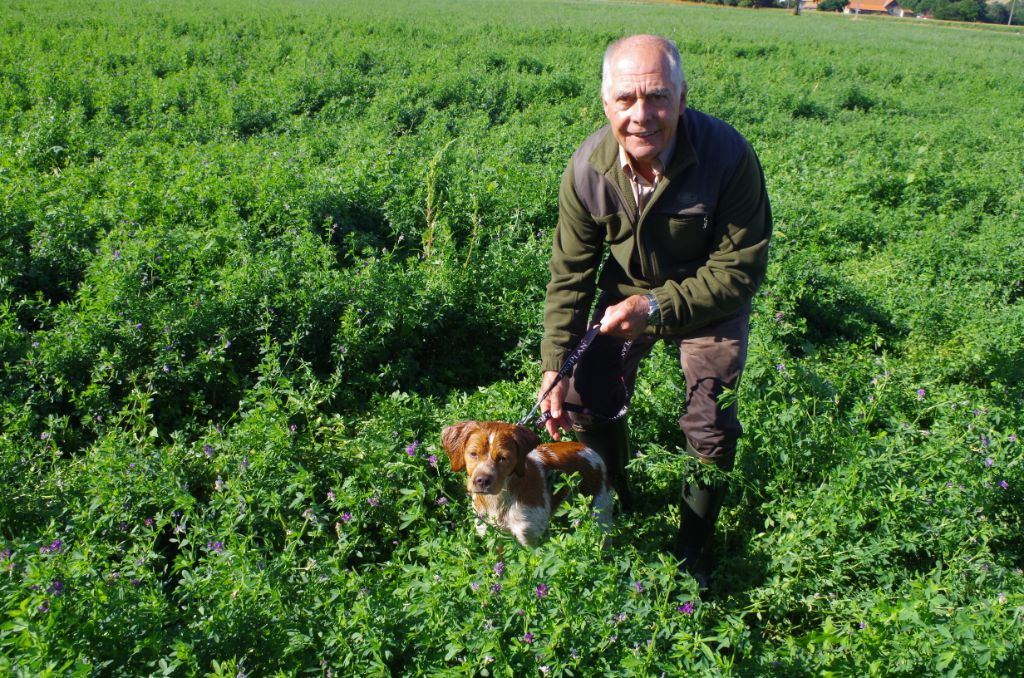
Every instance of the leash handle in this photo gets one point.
(570, 363)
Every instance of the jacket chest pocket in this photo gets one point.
(679, 238)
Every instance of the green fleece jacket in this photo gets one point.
(700, 246)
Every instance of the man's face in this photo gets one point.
(640, 101)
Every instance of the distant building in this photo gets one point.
(890, 7)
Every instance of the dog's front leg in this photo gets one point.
(602, 508)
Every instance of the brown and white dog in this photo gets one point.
(507, 473)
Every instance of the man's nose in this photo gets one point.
(642, 110)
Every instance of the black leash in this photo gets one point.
(570, 363)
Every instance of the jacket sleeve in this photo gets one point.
(736, 265)
(575, 258)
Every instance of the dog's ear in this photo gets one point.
(526, 440)
(453, 440)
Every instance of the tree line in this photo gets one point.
(949, 10)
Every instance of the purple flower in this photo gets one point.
(432, 460)
(149, 522)
(215, 546)
(780, 367)
(619, 618)
(528, 638)
(373, 501)
(989, 461)
(638, 586)
(44, 435)
(441, 501)
(208, 451)
(499, 568)
(44, 606)
(56, 588)
(330, 495)
(35, 344)
(474, 586)
(495, 588)
(5, 555)
(542, 590)
(1003, 484)
(411, 449)
(245, 464)
(117, 254)
(138, 326)
(921, 394)
(55, 547)
(984, 440)
(686, 608)
(779, 316)
(1012, 438)
(346, 516)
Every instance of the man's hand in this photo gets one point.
(553, 404)
(626, 319)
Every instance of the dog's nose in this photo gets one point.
(482, 482)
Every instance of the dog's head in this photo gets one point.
(490, 451)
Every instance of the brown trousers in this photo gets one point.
(712, 359)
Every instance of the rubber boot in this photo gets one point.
(698, 511)
(610, 439)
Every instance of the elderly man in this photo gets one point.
(679, 199)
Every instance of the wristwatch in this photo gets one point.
(654, 311)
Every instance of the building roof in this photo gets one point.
(872, 5)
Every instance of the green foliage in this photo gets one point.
(254, 258)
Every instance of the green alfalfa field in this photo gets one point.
(254, 256)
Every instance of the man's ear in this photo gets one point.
(453, 440)
(526, 441)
